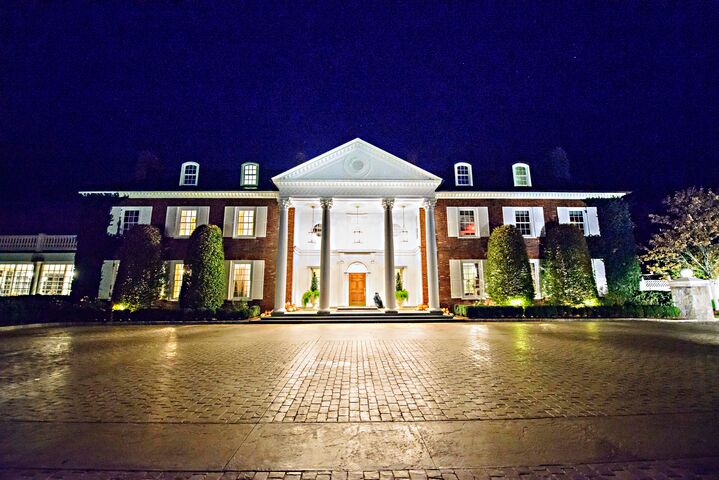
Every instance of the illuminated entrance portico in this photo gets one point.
(356, 227)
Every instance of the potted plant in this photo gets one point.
(400, 293)
(312, 295)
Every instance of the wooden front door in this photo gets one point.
(358, 294)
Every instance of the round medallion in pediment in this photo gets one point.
(356, 166)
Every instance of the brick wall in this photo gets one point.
(469, 248)
(235, 249)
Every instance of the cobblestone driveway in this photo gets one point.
(347, 373)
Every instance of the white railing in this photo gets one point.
(38, 243)
(648, 285)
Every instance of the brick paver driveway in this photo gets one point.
(375, 373)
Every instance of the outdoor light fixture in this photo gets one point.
(312, 232)
(357, 231)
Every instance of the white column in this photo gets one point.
(325, 258)
(432, 271)
(389, 281)
(281, 262)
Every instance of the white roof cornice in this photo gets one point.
(528, 195)
(189, 194)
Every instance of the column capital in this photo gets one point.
(326, 202)
(429, 203)
(388, 203)
(284, 202)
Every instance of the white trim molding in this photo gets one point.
(187, 194)
(528, 195)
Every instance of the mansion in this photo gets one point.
(354, 217)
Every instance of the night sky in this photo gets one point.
(629, 90)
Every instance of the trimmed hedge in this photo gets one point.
(141, 276)
(204, 285)
(28, 309)
(49, 309)
(563, 311)
(509, 276)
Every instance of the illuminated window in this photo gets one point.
(523, 222)
(245, 225)
(177, 276)
(521, 175)
(188, 222)
(189, 173)
(130, 218)
(471, 286)
(55, 279)
(576, 217)
(16, 279)
(250, 174)
(467, 223)
(463, 174)
(242, 278)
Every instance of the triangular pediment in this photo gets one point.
(356, 164)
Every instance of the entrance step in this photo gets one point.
(356, 317)
(358, 309)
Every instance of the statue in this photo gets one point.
(378, 300)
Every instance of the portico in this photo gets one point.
(356, 228)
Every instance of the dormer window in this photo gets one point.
(250, 175)
(189, 174)
(522, 178)
(462, 174)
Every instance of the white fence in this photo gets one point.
(649, 285)
(38, 243)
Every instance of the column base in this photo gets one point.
(390, 312)
(323, 312)
(277, 313)
(435, 311)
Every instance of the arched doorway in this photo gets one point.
(357, 281)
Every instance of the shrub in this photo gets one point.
(567, 274)
(234, 311)
(311, 295)
(49, 309)
(141, 275)
(399, 292)
(565, 311)
(509, 277)
(653, 298)
(203, 285)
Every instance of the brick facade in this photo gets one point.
(476, 248)
(264, 248)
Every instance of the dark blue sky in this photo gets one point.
(628, 89)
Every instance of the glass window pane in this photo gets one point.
(242, 279)
(522, 221)
(470, 279)
(130, 218)
(188, 222)
(16, 279)
(245, 222)
(576, 217)
(177, 276)
(467, 225)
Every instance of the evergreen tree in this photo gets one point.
(617, 247)
(141, 275)
(398, 283)
(509, 276)
(313, 283)
(203, 285)
(568, 278)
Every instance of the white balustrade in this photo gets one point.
(38, 243)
